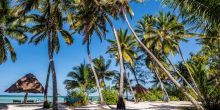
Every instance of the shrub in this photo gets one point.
(178, 94)
(110, 96)
(174, 98)
(83, 99)
(153, 95)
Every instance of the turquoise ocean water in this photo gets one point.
(10, 98)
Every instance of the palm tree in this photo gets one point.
(80, 78)
(121, 104)
(128, 51)
(10, 28)
(102, 11)
(102, 69)
(48, 24)
(87, 22)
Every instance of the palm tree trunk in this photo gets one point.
(201, 98)
(95, 75)
(190, 74)
(197, 105)
(52, 67)
(135, 75)
(161, 85)
(121, 103)
(46, 85)
(129, 83)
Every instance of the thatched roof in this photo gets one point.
(28, 83)
(140, 89)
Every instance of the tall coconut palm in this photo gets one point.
(103, 11)
(102, 69)
(48, 24)
(88, 22)
(10, 28)
(128, 45)
(100, 11)
(48, 9)
(121, 104)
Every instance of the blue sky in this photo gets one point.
(34, 59)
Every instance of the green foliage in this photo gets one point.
(198, 11)
(48, 24)
(80, 79)
(153, 95)
(10, 28)
(102, 68)
(110, 96)
(128, 47)
(174, 98)
(82, 96)
(162, 32)
(207, 78)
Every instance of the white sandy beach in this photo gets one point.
(173, 105)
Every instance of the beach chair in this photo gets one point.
(17, 101)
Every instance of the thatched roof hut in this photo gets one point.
(140, 89)
(26, 84)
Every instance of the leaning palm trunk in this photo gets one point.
(52, 67)
(184, 79)
(161, 85)
(129, 83)
(120, 104)
(46, 85)
(135, 75)
(190, 74)
(95, 75)
(201, 98)
(197, 105)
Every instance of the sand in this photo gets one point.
(173, 105)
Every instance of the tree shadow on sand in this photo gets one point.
(38, 106)
(3, 106)
(165, 107)
(159, 107)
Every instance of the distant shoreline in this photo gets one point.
(10, 98)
